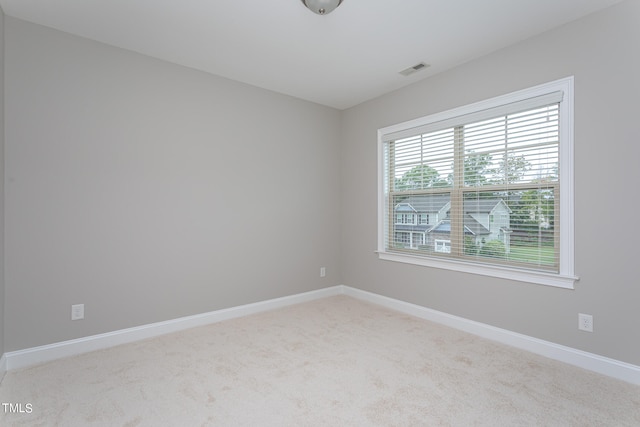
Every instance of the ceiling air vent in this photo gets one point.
(411, 70)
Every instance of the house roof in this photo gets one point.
(483, 205)
(405, 207)
(425, 203)
(474, 227)
(414, 228)
(471, 227)
(435, 203)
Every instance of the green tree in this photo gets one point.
(511, 169)
(420, 177)
(533, 211)
(477, 169)
(493, 249)
(470, 246)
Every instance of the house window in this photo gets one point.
(497, 174)
(443, 246)
(402, 239)
(405, 219)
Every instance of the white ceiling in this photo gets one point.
(340, 60)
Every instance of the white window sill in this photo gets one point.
(540, 278)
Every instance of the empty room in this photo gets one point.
(319, 212)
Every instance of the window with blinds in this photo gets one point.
(481, 188)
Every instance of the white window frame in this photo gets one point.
(565, 278)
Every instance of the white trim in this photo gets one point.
(567, 183)
(3, 367)
(518, 275)
(590, 361)
(46, 353)
(593, 362)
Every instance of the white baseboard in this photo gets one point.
(593, 362)
(3, 367)
(36, 355)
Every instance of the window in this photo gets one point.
(404, 218)
(443, 246)
(497, 179)
(402, 239)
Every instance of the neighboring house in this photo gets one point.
(423, 222)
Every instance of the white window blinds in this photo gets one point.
(464, 116)
(481, 185)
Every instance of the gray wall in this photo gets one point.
(1, 183)
(601, 51)
(150, 191)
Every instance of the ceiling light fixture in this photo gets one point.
(321, 7)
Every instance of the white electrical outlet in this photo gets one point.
(77, 311)
(323, 271)
(585, 322)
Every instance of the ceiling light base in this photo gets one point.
(321, 7)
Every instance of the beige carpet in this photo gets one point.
(332, 362)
